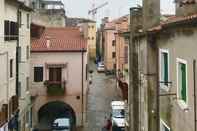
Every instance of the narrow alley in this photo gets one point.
(101, 92)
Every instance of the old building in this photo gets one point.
(121, 45)
(163, 69)
(109, 46)
(58, 75)
(15, 41)
(48, 13)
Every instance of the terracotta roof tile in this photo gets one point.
(59, 39)
(173, 20)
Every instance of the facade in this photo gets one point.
(48, 13)
(109, 46)
(59, 75)
(163, 69)
(121, 43)
(14, 100)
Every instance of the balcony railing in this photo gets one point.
(55, 88)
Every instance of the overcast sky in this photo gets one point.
(115, 8)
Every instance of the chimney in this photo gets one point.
(48, 44)
(186, 7)
(151, 13)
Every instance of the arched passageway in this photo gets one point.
(53, 110)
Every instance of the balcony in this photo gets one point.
(55, 88)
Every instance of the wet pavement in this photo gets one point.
(101, 92)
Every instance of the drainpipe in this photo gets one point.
(194, 75)
(82, 85)
(17, 66)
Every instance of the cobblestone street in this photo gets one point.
(102, 91)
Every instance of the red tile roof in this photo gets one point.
(174, 20)
(68, 39)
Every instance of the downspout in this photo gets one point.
(194, 75)
(17, 67)
(82, 85)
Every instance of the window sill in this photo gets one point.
(183, 105)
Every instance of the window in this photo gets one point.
(126, 54)
(27, 83)
(20, 19)
(11, 68)
(55, 74)
(113, 54)
(113, 43)
(164, 68)
(19, 89)
(114, 66)
(27, 52)
(182, 80)
(19, 54)
(163, 126)
(38, 74)
(28, 18)
(10, 30)
(92, 38)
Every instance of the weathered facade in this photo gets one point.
(48, 13)
(163, 71)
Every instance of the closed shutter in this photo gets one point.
(166, 68)
(183, 88)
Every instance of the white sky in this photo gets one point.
(115, 8)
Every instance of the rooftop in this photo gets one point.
(174, 20)
(66, 39)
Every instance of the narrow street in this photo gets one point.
(101, 92)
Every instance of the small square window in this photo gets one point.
(113, 43)
(38, 74)
(113, 54)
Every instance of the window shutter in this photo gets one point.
(165, 68)
(183, 90)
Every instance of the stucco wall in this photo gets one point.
(108, 60)
(181, 43)
(72, 75)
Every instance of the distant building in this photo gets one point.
(109, 46)
(48, 13)
(121, 44)
(58, 74)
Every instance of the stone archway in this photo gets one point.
(53, 110)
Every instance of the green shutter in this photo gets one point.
(183, 87)
(165, 68)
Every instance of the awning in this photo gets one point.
(56, 65)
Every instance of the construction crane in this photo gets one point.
(94, 10)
